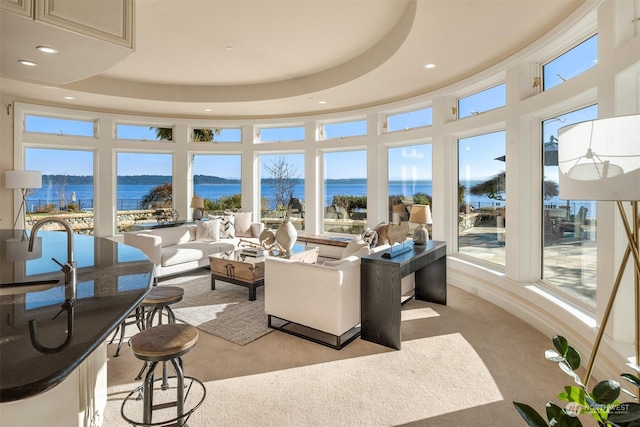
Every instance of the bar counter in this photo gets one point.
(112, 279)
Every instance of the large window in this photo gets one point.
(569, 226)
(282, 189)
(145, 182)
(409, 180)
(67, 185)
(483, 212)
(345, 192)
(216, 178)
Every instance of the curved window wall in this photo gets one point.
(515, 124)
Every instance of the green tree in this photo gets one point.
(158, 197)
(494, 187)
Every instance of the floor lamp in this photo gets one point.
(600, 160)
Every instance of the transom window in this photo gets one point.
(281, 134)
(570, 64)
(410, 119)
(144, 132)
(216, 135)
(57, 126)
(484, 101)
(344, 129)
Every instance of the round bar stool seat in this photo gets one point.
(165, 343)
(158, 299)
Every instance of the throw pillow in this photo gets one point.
(354, 246)
(208, 231)
(382, 231)
(243, 224)
(227, 226)
(371, 237)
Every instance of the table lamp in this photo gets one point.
(24, 181)
(197, 203)
(600, 160)
(421, 215)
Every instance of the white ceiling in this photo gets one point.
(265, 58)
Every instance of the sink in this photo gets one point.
(25, 287)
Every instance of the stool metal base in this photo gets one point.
(191, 402)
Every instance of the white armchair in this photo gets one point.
(321, 297)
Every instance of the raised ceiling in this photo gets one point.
(269, 58)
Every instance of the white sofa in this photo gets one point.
(323, 297)
(178, 249)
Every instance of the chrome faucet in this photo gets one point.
(69, 268)
(70, 282)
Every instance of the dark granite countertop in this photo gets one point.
(112, 280)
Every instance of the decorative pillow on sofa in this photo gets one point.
(227, 226)
(371, 237)
(243, 224)
(354, 246)
(383, 235)
(208, 231)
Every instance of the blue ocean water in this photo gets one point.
(129, 195)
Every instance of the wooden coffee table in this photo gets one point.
(235, 268)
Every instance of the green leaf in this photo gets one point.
(606, 392)
(573, 358)
(624, 413)
(561, 344)
(574, 394)
(559, 418)
(632, 379)
(530, 415)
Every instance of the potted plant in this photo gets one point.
(602, 402)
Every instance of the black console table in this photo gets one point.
(380, 288)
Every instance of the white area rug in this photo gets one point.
(225, 312)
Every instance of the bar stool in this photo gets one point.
(158, 300)
(164, 343)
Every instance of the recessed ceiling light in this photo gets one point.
(322, 102)
(69, 97)
(28, 63)
(228, 47)
(207, 109)
(47, 49)
(429, 66)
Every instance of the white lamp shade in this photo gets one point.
(420, 214)
(197, 202)
(600, 159)
(23, 179)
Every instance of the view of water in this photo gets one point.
(129, 195)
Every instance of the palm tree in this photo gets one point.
(199, 135)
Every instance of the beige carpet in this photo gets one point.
(460, 365)
(225, 312)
